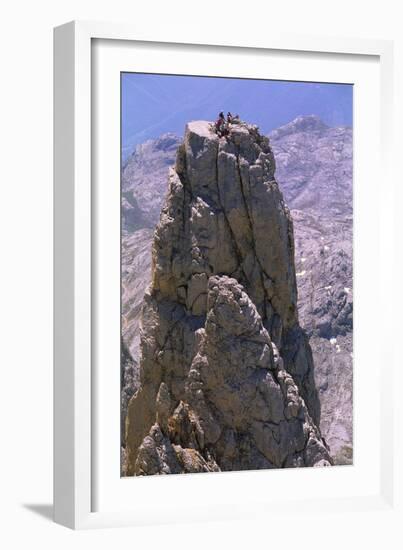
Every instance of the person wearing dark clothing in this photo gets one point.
(220, 124)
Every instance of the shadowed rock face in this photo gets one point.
(226, 372)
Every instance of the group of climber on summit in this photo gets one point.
(221, 125)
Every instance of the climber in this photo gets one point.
(229, 117)
(220, 124)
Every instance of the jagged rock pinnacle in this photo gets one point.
(226, 373)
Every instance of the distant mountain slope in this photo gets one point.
(314, 171)
(144, 181)
(314, 166)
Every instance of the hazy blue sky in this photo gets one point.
(156, 104)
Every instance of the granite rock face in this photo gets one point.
(226, 372)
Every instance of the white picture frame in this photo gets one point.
(77, 472)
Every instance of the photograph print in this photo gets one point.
(236, 274)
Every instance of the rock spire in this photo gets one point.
(226, 372)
